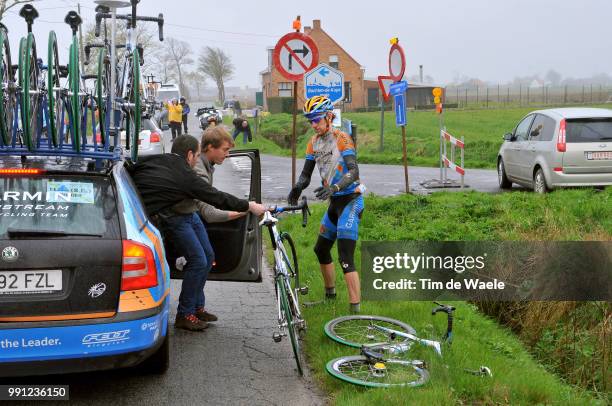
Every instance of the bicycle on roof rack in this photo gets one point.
(286, 279)
(47, 110)
(119, 93)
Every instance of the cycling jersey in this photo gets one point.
(328, 151)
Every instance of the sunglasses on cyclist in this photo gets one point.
(316, 120)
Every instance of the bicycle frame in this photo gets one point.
(281, 274)
(394, 333)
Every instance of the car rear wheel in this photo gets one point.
(159, 361)
(539, 182)
(502, 179)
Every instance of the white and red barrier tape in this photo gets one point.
(453, 140)
(452, 165)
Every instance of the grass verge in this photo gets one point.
(479, 340)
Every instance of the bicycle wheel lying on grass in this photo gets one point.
(356, 331)
(359, 370)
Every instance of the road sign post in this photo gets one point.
(294, 55)
(398, 91)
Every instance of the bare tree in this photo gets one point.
(145, 36)
(195, 80)
(217, 65)
(179, 53)
(6, 5)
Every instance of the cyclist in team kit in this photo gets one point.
(333, 151)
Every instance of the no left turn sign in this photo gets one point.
(295, 54)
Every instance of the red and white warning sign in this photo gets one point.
(385, 82)
(295, 54)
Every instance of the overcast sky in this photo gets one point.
(486, 39)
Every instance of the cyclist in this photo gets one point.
(334, 153)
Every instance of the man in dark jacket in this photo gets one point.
(164, 181)
(186, 111)
(241, 125)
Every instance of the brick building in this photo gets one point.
(331, 53)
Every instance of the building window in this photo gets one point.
(285, 89)
(333, 61)
(348, 94)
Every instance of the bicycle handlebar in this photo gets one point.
(303, 206)
(449, 315)
(131, 18)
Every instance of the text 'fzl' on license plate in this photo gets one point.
(29, 282)
(599, 155)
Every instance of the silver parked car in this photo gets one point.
(150, 139)
(556, 148)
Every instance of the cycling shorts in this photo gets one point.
(342, 217)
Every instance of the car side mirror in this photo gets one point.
(509, 137)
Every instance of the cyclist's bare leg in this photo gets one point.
(329, 275)
(354, 286)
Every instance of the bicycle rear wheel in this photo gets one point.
(356, 331)
(28, 72)
(103, 97)
(7, 94)
(54, 92)
(359, 370)
(291, 323)
(291, 262)
(134, 112)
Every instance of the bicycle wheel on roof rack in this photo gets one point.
(74, 81)
(7, 90)
(103, 98)
(54, 93)
(29, 75)
(133, 111)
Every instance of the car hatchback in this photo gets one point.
(84, 282)
(556, 148)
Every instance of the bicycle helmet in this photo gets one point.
(317, 106)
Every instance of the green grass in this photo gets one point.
(517, 378)
(482, 130)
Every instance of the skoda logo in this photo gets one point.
(10, 254)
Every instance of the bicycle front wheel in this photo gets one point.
(74, 80)
(359, 370)
(54, 93)
(103, 96)
(7, 95)
(28, 72)
(134, 112)
(356, 331)
(292, 326)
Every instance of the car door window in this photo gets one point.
(542, 128)
(521, 132)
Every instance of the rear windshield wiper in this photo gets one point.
(17, 233)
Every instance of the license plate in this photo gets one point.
(599, 155)
(28, 282)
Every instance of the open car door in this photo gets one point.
(236, 243)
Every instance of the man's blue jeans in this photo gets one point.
(246, 135)
(191, 241)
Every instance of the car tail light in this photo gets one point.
(138, 270)
(558, 169)
(155, 137)
(18, 171)
(99, 138)
(561, 145)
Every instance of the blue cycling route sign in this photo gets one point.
(324, 81)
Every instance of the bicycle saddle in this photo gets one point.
(29, 13)
(73, 20)
(102, 9)
(371, 354)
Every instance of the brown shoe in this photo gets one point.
(204, 315)
(190, 322)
